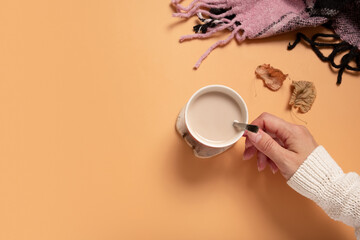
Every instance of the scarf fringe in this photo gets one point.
(353, 53)
(219, 18)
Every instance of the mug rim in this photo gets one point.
(198, 93)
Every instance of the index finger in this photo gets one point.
(274, 126)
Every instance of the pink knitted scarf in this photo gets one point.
(250, 19)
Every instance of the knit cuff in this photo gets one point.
(314, 177)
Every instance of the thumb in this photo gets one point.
(267, 145)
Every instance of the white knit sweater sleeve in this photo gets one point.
(322, 180)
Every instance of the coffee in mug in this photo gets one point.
(206, 121)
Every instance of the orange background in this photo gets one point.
(89, 94)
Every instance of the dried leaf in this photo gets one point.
(303, 95)
(273, 78)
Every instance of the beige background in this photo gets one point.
(89, 94)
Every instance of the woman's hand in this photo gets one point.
(282, 145)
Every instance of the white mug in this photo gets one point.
(201, 147)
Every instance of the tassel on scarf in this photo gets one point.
(220, 17)
(353, 53)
